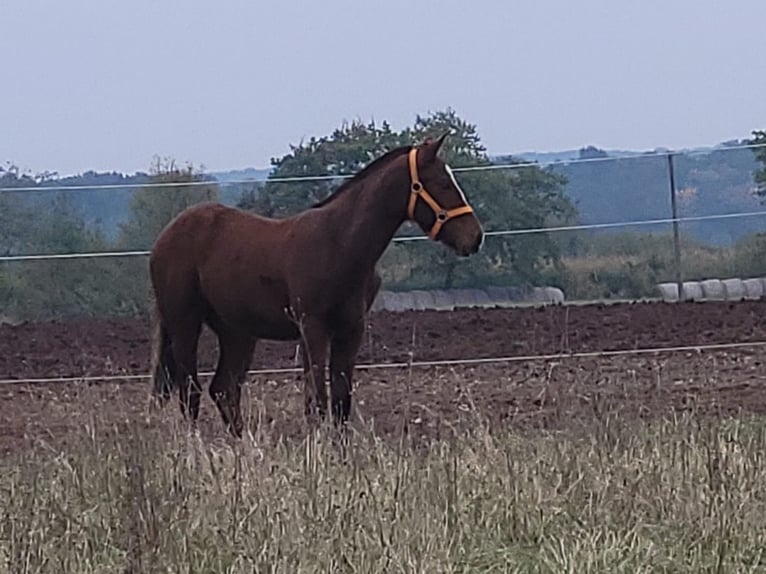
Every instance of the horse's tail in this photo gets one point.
(163, 367)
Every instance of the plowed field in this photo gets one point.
(428, 400)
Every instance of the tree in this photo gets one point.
(508, 198)
(14, 214)
(511, 198)
(14, 219)
(40, 222)
(344, 152)
(66, 287)
(155, 204)
(592, 152)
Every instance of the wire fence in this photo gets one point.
(405, 239)
(644, 221)
(703, 205)
(134, 377)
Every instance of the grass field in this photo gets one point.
(685, 494)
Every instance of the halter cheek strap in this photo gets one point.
(418, 191)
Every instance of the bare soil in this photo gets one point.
(427, 402)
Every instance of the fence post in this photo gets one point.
(676, 237)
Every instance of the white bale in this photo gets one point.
(385, 300)
(547, 295)
(377, 303)
(422, 300)
(518, 293)
(497, 294)
(461, 297)
(753, 288)
(407, 300)
(554, 294)
(478, 298)
(668, 291)
(442, 300)
(692, 290)
(397, 302)
(713, 289)
(501, 296)
(734, 289)
(537, 295)
(416, 301)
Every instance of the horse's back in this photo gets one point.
(227, 260)
(197, 230)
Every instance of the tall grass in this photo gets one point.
(673, 495)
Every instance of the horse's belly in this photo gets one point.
(259, 324)
(252, 304)
(277, 331)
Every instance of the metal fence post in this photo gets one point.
(676, 237)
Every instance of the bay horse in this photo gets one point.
(309, 277)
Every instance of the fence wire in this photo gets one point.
(404, 239)
(419, 364)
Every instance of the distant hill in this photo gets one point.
(105, 201)
(104, 206)
(545, 157)
(634, 187)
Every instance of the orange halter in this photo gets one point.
(418, 191)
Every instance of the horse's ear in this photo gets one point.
(431, 147)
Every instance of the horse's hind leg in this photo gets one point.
(185, 337)
(314, 352)
(235, 354)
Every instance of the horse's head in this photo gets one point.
(437, 204)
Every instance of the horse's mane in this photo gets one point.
(363, 174)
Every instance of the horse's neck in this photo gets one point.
(369, 217)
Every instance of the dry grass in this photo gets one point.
(674, 495)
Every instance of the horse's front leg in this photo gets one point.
(314, 340)
(345, 345)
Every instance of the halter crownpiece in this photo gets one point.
(418, 191)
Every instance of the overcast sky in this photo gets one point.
(106, 84)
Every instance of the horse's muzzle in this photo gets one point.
(471, 247)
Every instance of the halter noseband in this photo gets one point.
(418, 191)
